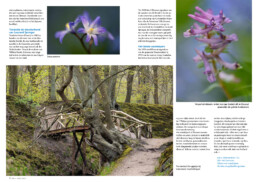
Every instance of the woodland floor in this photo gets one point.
(142, 160)
(50, 156)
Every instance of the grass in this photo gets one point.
(21, 158)
(160, 116)
(165, 162)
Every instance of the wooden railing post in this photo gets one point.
(136, 132)
(73, 157)
(139, 132)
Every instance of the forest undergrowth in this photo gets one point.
(50, 156)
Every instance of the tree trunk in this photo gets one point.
(129, 87)
(65, 84)
(13, 71)
(171, 77)
(108, 142)
(146, 84)
(155, 81)
(76, 93)
(105, 99)
(32, 70)
(53, 83)
(79, 82)
(112, 86)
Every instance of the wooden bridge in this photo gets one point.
(56, 123)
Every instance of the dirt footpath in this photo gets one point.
(142, 161)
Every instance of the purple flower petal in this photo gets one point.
(197, 26)
(61, 34)
(81, 30)
(85, 22)
(86, 16)
(96, 22)
(231, 66)
(208, 71)
(209, 41)
(88, 38)
(197, 58)
(204, 13)
(227, 20)
(99, 30)
(192, 32)
(187, 34)
(110, 36)
(232, 37)
(95, 38)
(199, 19)
(209, 11)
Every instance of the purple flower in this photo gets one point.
(211, 34)
(196, 31)
(70, 28)
(231, 66)
(216, 43)
(208, 71)
(93, 30)
(209, 19)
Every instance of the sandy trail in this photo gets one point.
(142, 161)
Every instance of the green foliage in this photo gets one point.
(211, 87)
(200, 64)
(160, 116)
(23, 158)
(26, 101)
(165, 162)
(208, 49)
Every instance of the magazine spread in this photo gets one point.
(127, 89)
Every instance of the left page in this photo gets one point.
(87, 89)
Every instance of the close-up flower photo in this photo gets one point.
(214, 51)
(83, 30)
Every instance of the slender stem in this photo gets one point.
(82, 43)
(221, 83)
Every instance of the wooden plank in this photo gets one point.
(67, 130)
(131, 117)
(61, 124)
(128, 127)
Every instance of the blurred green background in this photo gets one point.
(191, 82)
(58, 16)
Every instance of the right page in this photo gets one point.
(214, 124)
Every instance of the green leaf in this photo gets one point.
(200, 64)
(225, 50)
(208, 49)
(211, 87)
(241, 99)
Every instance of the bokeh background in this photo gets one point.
(191, 82)
(58, 16)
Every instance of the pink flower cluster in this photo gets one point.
(212, 35)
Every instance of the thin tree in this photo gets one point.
(13, 71)
(129, 86)
(53, 83)
(155, 82)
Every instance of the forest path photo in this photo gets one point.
(142, 160)
(85, 120)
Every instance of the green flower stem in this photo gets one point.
(221, 83)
